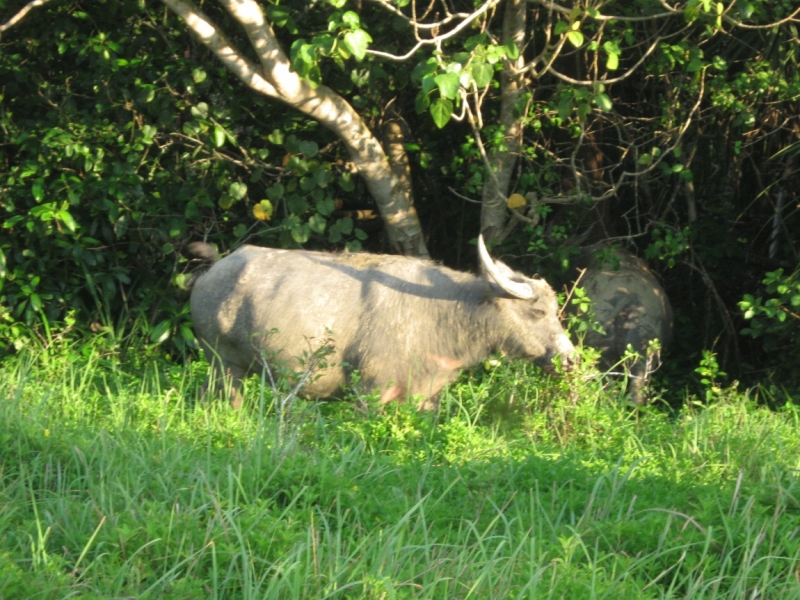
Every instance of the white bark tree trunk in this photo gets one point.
(274, 78)
(494, 214)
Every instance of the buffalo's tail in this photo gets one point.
(206, 254)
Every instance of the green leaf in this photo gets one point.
(475, 41)
(240, 230)
(511, 50)
(317, 223)
(307, 184)
(67, 219)
(36, 301)
(575, 38)
(695, 64)
(428, 82)
(2, 264)
(188, 335)
(326, 206)
(565, 106)
(346, 225)
(351, 20)
(448, 85)
(561, 27)
(38, 189)
(482, 73)
(356, 42)
(644, 159)
(604, 102)
(148, 133)
(612, 47)
(301, 233)
(309, 148)
(200, 111)
(275, 192)
(612, 63)
(238, 190)
(422, 102)
(199, 75)
(160, 332)
(276, 137)
(297, 204)
(441, 110)
(347, 183)
(322, 177)
(219, 136)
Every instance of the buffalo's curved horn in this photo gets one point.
(518, 289)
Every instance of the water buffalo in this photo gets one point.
(632, 308)
(407, 325)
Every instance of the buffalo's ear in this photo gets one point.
(202, 251)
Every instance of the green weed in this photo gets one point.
(117, 481)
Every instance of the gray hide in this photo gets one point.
(407, 325)
(632, 308)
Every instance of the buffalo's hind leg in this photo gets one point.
(223, 377)
(228, 381)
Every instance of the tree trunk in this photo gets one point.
(274, 78)
(494, 214)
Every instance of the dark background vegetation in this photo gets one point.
(122, 139)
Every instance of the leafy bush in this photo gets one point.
(118, 148)
(774, 319)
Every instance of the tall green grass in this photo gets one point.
(116, 482)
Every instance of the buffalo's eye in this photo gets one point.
(537, 313)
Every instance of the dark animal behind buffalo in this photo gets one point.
(631, 306)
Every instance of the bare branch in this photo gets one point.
(219, 44)
(275, 78)
(626, 174)
(436, 40)
(412, 21)
(734, 22)
(622, 77)
(18, 17)
(565, 11)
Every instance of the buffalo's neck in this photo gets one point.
(478, 329)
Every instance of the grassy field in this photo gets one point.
(116, 483)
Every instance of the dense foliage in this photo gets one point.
(676, 133)
(119, 146)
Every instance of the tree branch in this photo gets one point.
(466, 21)
(566, 11)
(19, 16)
(622, 77)
(218, 43)
(276, 79)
